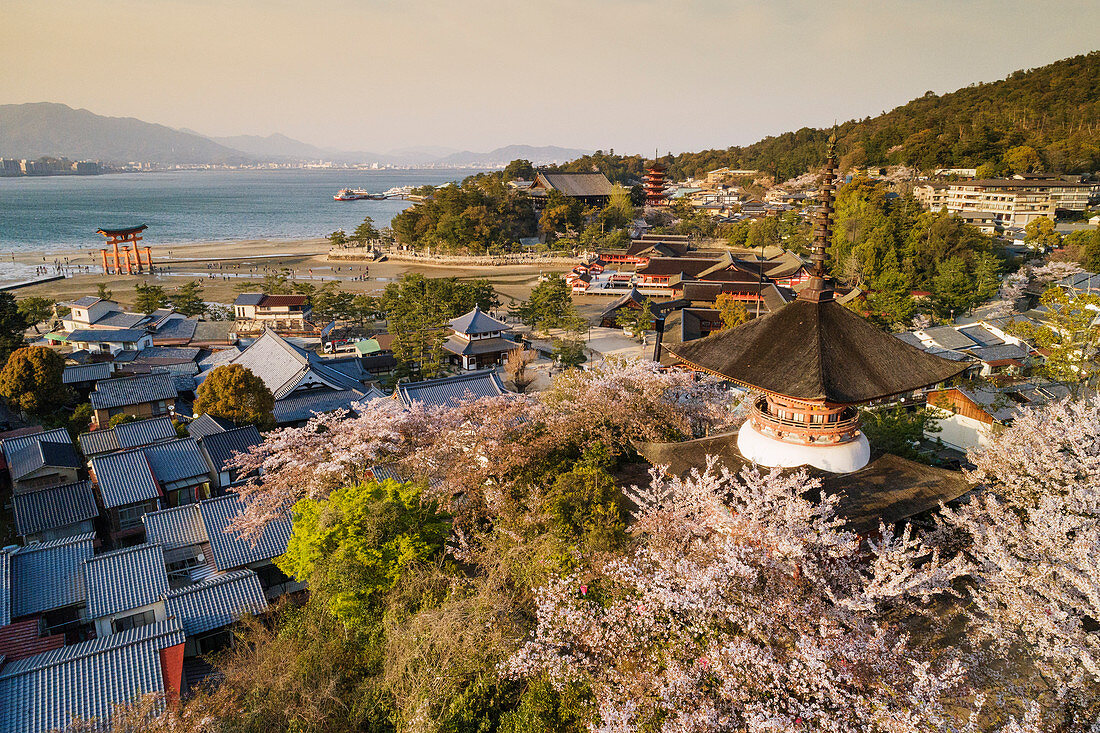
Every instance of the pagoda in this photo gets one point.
(812, 363)
(654, 183)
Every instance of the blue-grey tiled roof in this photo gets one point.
(107, 335)
(11, 445)
(230, 550)
(462, 347)
(127, 391)
(476, 322)
(144, 432)
(176, 460)
(176, 328)
(50, 575)
(125, 579)
(98, 441)
(249, 299)
(43, 454)
(55, 507)
(204, 425)
(999, 353)
(981, 335)
(75, 373)
(223, 446)
(86, 301)
(216, 602)
(450, 391)
(910, 338)
(5, 588)
(124, 478)
(48, 691)
(179, 526)
(303, 405)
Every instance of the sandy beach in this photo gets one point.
(221, 266)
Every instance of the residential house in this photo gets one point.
(99, 314)
(150, 395)
(220, 448)
(109, 341)
(55, 512)
(451, 391)
(83, 377)
(126, 589)
(287, 314)
(39, 459)
(44, 583)
(969, 416)
(478, 341)
(127, 435)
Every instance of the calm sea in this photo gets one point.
(61, 213)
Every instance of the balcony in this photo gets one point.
(839, 426)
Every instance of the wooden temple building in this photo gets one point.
(811, 364)
(126, 255)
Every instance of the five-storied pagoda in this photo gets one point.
(813, 363)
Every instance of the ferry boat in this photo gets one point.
(356, 194)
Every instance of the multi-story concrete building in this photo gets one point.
(1013, 201)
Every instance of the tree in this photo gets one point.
(31, 380)
(1022, 159)
(35, 310)
(1041, 231)
(1068, 338)
(898, 430)
(892, 299)
(12, 325)
(987, 276)
(235, 393)
(569, 352)
(102, 292)
(635, 322)
(519, 170)
(986, 170)
(365, 232)
(549, 306)
(731, 310)
(149, 297)
(121, 419)
(515, 366)
(1083, 247)
(560, 214)
(952, 289)
(338, 238)
(187, 299)
(1035, 583)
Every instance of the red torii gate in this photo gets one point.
(126, 261)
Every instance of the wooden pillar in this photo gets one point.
(126, 257)
(149, 259)
(103, 252)
(118, 264)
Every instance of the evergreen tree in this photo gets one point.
(101, 291)
(953, 288)
(36, 310)
(149, 297)
(31, 380)
(12, 325)
(365, 232)
(187, 299)
(892, 299)
(732, 311)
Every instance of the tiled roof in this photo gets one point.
(182, 329)
(176, 460)
(232, 551)
(910, 338)
(274, 360)
(206, 424)
(578, 184)
(125, 579)
(1000, 352)
(217, 601)
(88, 680)
(49, 575)
(304, 405)
(12, 445)
(38, 455)
(947, 337)
(476, 322)
(5, 587)
(449, 391)
(124, 478)
(462, 347)
(176, 527)
(76, 373)
(97, 441)
(144, 432)
(981, 335)
(132, 391)
(55, 507)
(107, 335)
(222, 446)
(217, 358)
(85, 302)
(118, 319)
(249, 299)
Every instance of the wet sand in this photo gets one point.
(221, 266)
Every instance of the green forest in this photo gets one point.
(1053, 110)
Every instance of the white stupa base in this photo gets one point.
(768, 451)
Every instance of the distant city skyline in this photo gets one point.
(633, 75)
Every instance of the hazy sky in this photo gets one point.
(476, 74)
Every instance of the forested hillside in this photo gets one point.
(1053, 110)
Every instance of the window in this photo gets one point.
(213, 642)
(160, 407)
(179, 571)
(130, 516)
(189, 494)
(134, 621)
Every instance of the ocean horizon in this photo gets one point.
(62, 213)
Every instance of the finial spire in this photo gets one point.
(820, 286)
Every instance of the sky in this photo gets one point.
(628, 75)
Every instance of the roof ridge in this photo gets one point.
(207, 582)
(124, 551)
(36, 546)
(89, 648)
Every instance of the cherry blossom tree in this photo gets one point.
(748, 607)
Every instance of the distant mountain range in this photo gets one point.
(56, 130)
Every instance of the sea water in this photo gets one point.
(61, 213)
